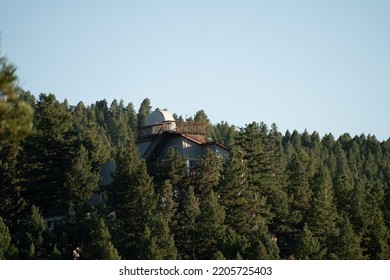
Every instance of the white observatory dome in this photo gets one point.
(158, 117)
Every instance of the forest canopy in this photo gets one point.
(278, 195)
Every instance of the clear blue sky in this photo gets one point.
(315, 65)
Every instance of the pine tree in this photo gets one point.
(12, 202)
(210, 229)
(5, 239)
(262, 154)
(186, 225)
(30, 234)
(376, 239)
(323, 214)
(81, 182)
(209, 174)
(47, 154)
(347, 244)
(132, 198)
(100, 246)
(261, 247)
(298, 188)
(223, 133)
(308, 247)
(15, 115)
(172, 168)
(157, 242)
(235, 195)
(131, 118)
(166, 206)
(143, 112)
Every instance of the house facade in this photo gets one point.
(162, 133)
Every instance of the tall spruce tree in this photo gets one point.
(81, 182)
(210, 228)
(235, 195)
(47, 155)
(143, 112)
(208, 175)
(132, 197)
(100, 245)
(298, 189)
(347, 244)
(30, 235)
(186, 225)
(323, 215)
(308, 247)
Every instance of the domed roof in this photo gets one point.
(159, 117)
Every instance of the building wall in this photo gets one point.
(143, 146)
(185, 147)
(218, 150)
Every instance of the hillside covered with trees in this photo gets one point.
(331, 195)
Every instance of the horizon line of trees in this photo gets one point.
(334, 192)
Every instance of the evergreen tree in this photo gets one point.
(12, 203)
(347, 243)
(131, 118)
(157, 242)
(15, 115)
(235, 195)
(30, 235)
(132, 198)
(223, 133)
(172, 168)
(323, 214)
(5, 239)
(377, 238)
(298, 188)
(81, 182)
(200, 116)
(166, 206)
(210, 228)
(47, 155)
(262, 247)
(308, 247)
(208, 175)
(143, 112)
(186, 225)
(100, 246)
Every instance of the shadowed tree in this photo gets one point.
(308, 247)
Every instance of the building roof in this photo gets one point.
(159, 117)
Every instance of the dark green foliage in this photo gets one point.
(143, 112)
(210, 228)
(5, 239)
(99, 246)
(30, 235)
(208, 175)
(15, 114)
(81, 182)
(12, 203)
(48, 154)
(157, 242)
(132, 183)
(347, 244)
(172, 168)
(322, 215)
(308, 247)
(186, 225)
(223, 133)
(333, 194)
(298, 189)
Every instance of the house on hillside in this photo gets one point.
(161, 133)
